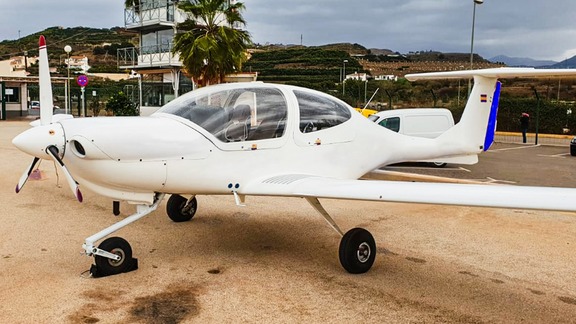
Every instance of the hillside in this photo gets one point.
(521, 61)
(320, 67)
(310, 66)
(566, 64)
(99, 45)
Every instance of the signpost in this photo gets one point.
(3, 99)
(82, 81)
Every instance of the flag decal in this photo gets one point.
(483, 98)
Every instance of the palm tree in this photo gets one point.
(132, 3)
(208, 45)
(135, 4)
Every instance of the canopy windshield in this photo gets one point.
(231, 115)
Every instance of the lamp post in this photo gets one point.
(461, 68)
(476, 2)
(344, 76)
(67, 49)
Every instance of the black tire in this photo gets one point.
(118, 246)
(179, 210)
(439, 164)
(572, 151)
(357, 251)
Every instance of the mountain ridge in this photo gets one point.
(85, 41)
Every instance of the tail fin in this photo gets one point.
(492, 120)
(46, 100)
(475, 131)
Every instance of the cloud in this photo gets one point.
(512, 27)
(536, 29)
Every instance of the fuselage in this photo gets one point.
(218, 139)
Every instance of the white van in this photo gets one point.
(421, 122)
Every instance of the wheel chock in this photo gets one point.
(95, 272)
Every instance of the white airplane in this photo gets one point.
(248, 139)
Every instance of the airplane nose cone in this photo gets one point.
(35, 140)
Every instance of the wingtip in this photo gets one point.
(17, 188)
(42, 41)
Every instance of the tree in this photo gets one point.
(131, 3)
(208, 45)
(121, 105)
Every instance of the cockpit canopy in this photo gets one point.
(256, 111)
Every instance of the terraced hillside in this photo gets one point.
(404, 67)
(312, 65)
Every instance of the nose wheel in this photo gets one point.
(122, 263)
(114, 254)
(357, 251)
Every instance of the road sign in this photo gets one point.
(82, 80)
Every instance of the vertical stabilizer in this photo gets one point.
(470, 135)
(46, 100)
(491, 131)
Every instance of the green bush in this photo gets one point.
(121, 105)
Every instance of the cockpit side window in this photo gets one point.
(234, 115)
(317, 113)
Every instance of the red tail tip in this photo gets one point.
(42, 41)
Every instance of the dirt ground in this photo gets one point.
(276, 260)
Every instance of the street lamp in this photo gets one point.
(476, 2)
(67, 49)
(461, 68)
(344, 76)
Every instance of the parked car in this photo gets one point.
(573, 146)
(34, 104)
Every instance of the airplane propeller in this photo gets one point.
(46, 99)
(53, 152)
(26, 175)
(33, 140)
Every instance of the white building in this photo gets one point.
(357, 76)
(161, 79)
(14, 83)
(78, 62)
(388, 77)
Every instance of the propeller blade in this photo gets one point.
(46, 99)
(26, 175)
(53, 152)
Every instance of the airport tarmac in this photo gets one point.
(276, 260)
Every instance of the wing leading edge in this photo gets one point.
(478, 195)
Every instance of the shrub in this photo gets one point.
(121, 105)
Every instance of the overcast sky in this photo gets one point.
(517, 28)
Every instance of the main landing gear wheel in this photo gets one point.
(179, 209)
(439, 164)
(107, 267)
(357, 251)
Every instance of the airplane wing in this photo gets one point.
(480, 195)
